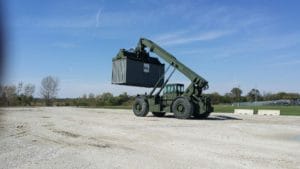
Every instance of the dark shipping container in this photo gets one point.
(133, 72)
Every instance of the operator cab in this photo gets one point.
(175, 89)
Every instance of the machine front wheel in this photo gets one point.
(140, 107)
(182, 108)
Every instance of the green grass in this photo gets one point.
(284, 110)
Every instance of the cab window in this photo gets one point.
(181, 89)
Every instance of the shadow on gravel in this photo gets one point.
(223, 117)
(217, 117)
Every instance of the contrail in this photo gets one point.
(98, 17)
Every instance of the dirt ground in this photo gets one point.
(71, 138)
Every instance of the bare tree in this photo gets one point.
(9, 94)
(84, 96)
(29, 90)
(27, 96)
(2, 99)
(91, 96)
(19, 88)
(49, 89)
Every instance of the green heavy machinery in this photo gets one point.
(184, 104)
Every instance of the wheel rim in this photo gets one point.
(138, 107)
(180, 108)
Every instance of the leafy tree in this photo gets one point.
(236, 94)
(122, 98)
(108, 99)
(216, 98)
(253, 95)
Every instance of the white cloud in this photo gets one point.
(189, 37)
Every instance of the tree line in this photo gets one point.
(23, 95)
(236, 95)
(101, 100)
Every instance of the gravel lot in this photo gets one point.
(105, 138)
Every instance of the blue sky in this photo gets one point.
(250, 44)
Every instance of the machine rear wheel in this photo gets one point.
(182, 108)
(158, 114)
(140, 107)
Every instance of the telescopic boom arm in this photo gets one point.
(198, 83)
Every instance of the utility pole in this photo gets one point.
(239, 97)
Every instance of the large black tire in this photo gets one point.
(158, 114)
(140, 107)
(201, 116)
(182, 108)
